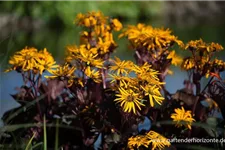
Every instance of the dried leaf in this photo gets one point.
(55, 88)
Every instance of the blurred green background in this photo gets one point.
(49, 24)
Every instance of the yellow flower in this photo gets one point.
(188, 63)
(215, 47)
(84, 54)
(138, 141)
(200, 45)
(147, 75)
(152, 38)
(175, 60)
(154, 94)
(123, 82)
(103, 46)
(157, 141)
(45, 61)
(95, 75)
(63, 73)
(32, 59)
(141, 69)
(72, 52)
(129, 100)
(195, 45)
(26, 59)
(90, 19)
(120, 67)
(181, 115)
(89, 57)
(219, 62)
(117, 25)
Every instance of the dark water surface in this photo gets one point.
(55, 42)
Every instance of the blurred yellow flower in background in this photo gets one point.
(200, 45)
(175, 59)
(117, 25)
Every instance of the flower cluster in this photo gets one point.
(99, 34)
(152, 45)
(154, 39)
(31, 59)
(96, 44)
(200, 45)
(182, 117)
(156, 140)
(134, 90)
(202, 57)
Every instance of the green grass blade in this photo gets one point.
(37, 145)
(30, 141)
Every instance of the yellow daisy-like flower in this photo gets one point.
(72, 53)
(26, 59)
(93, 74)
(175, 60)
(103, 46)
(63, 73)
(120, 67)
(138, 141)
(188, 63)
(123, 82)
(200, 45)
(152, 38)
(157, 141)
(215, 47)
(32, 59)
(149, 76)
(154, 94)
(129, 100)
(84, 54)
(183, 116)
(90, 19)
(117, 25)
(87, 55)
(46, 61)
(141, 69)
